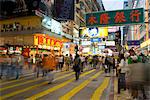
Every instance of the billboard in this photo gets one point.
(93, 32)
(17, 8)
(64, 9)
(115, 18)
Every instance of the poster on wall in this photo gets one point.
(93, 32)
(64, 9)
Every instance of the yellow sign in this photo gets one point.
(35, 40)
(20, 24)
(144, 44)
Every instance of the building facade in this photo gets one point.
(141, 31)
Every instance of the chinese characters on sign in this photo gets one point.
(115, 18)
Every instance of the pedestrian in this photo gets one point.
(61, 62)
(20, 65)
(122, 73)
(95, 61)
(4, 67)
(49, 76)
(76, 66)
(71, 60)
(82, 63)
(86, 60)
(9, 72)
(114, 64)
(132, 60)
(38, 64)
(45, 65)
(67, 62)
(13, 64)
(29, 62)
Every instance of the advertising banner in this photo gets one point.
(96, 40)
(93, 32)
(64, 9)
(133, 42)
(17, 8)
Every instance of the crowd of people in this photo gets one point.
(12, 65)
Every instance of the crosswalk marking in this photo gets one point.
(19, 84)
(98, 92)
(27, 82)
(41, 94)
(79, 87)
(12, 81)
(115, 88)
(32, 87)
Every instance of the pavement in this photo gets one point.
(92, 85)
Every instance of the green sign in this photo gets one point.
(115, 18)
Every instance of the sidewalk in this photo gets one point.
(125, 95)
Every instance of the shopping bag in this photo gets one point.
(105, 67)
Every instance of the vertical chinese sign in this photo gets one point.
(115, 18)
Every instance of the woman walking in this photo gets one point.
(76, 66)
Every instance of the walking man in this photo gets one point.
(76, 66)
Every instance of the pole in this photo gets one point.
(147, 19)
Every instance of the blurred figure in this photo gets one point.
(82, 63)
(49, 77)
(122, 72)
(133, 58)
(113, 63)
(76, 66)
(143, 58)
(45, 65)
(30, 62)
(95, 61)
(90, 60)
(106, 65)
(20, 64)
(86, 60)
(9, 67)
(67, 62)
(4, 63)
(71, 60)
(61, 62)
(38, 64)
(135, 75)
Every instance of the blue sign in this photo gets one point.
(133, 42)
(96, 40)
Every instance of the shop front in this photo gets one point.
(47, 44)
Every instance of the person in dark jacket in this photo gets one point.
(76, 66)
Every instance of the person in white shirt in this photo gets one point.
(122, 73)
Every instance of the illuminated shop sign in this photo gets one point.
(47, 41)
(110, 43)
(52, 24)
(93, 32)
(96, 40)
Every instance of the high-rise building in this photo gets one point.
(140, 32)
(81, 8)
